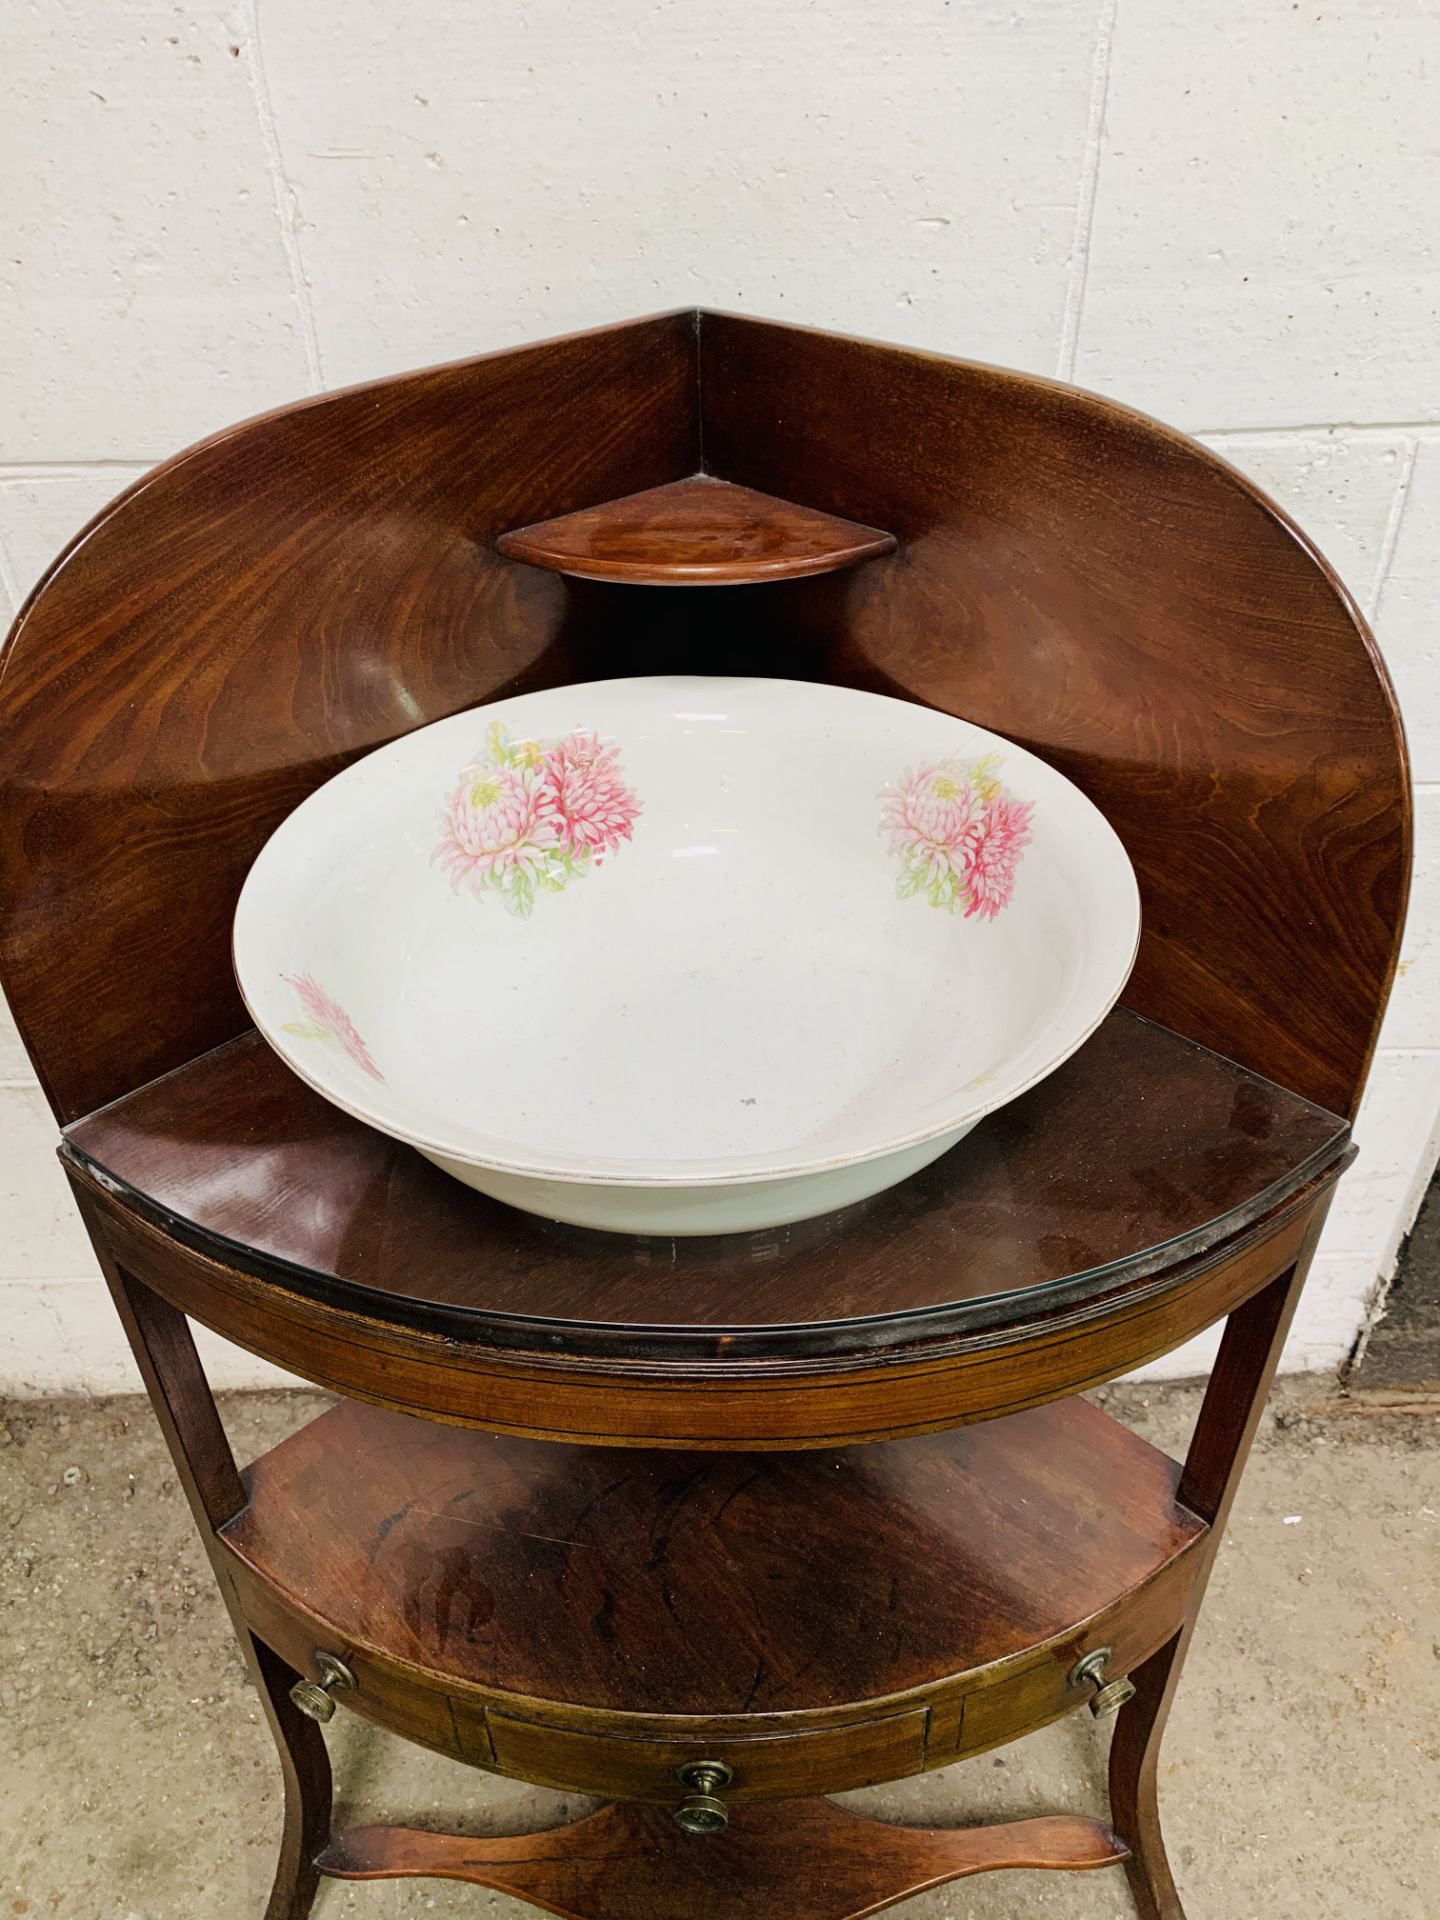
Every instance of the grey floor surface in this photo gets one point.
(1403, 1355)
(1302, 1770)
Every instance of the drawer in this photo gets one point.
(1038, 1690)
(392, 1699)
(773, 1766)
(417, 1711)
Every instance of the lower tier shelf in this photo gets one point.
(596, 1619)
(806, 1859)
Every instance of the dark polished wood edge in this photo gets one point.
(1228, 1420)
(927, 1329)
(746, 1352)
(1235, 1395)
(731, 1404)
(165, 1353)
(1120, 1579)
(709, 333)
(176, 567)
(1256, 1284)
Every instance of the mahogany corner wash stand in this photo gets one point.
(593, 1511)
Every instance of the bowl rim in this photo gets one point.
(760, 1168)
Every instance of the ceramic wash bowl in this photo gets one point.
(685, 955)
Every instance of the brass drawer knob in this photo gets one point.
(314, 1697)
(700, 1811)
(1109, 1695)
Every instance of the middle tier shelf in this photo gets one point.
(592, 1618)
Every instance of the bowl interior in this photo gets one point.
(679, 929)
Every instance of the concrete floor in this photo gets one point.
(1302, 1777)
(1402, 1358)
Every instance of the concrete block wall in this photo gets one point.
(1224, 215)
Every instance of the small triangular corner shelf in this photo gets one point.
(696, 532)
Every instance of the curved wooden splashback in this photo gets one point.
(1118, 599)
(251, 616)
(311, 584)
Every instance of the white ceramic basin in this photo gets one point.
(682, 956)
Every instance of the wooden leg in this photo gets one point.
(1134, 1759)
(305, 1764)
(164, 1350)
(803, 1859)
(1229, 1416)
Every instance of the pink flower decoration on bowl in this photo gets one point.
(496, 821)
(958, 833)
(327, 1021)
(997, 840)
(529, 816)
(594, 808)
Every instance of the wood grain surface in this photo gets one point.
(1229, 1419)
(1120, 601)
(164, 1349)
(644, 1582)
(248, 618)
(696, 532)
(254, 614)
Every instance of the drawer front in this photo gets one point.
(406, 1706)
(1039, 1691)
(417, 1712)
(769, 1766)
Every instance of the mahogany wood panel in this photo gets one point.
(1142, 1151)
(647, 1583)
(800, 1859)
(696, 532)
(384, 1695)
(251, 616)
(704, 1403)
(1117, 599)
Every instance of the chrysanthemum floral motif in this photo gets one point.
(958, 834)
(327, 1021)
(528, 816)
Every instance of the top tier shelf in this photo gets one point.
(1142, 1151)
(696, 533)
